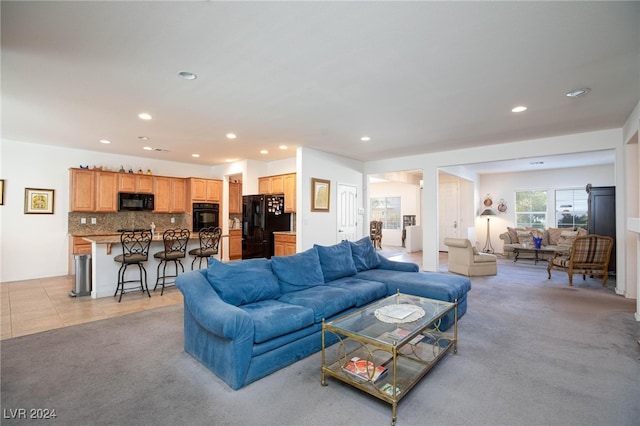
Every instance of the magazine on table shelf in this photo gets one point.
(364, 370)
(388, 389)
(400, 333)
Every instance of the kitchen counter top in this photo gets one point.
(284, 232)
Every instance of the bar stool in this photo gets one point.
(209, 244)
(135, 250)
(175, 248)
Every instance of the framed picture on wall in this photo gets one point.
(38, 201)
(321, 192)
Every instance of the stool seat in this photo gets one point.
(175, 248)
(209, 245)
(135, 251)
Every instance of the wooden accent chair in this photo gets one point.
(375, 233)
(589, 255)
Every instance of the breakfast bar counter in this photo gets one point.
(104, 270)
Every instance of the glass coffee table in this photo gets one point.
(385, 348)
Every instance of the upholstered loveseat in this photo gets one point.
(245, 320)
(559, 239)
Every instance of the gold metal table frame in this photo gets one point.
(407, 349)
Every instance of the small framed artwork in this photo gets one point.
(1, 192)
(321, 191)
(38, 201)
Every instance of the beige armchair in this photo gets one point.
(464, 259)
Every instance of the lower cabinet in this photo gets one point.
(284, 244)
(235, 244)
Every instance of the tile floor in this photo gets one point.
(32, 306)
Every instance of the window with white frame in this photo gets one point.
(531, 209)
(386, 210)
(571, 208)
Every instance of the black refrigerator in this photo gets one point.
(261, 216)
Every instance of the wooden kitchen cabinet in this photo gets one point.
(141, 184)
(284, 244)
(205, 190)
(106, 192)
(235, 198)
(170, 195)
(93, 191)
(280, 184)
(290, 193)
(83, 190)
(235, 244)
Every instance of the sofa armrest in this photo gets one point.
(211, 312)
(393, 265)
(506, 237)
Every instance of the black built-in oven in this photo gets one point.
(205, 215)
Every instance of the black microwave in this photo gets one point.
(135, 202)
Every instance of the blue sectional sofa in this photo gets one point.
(245, 320)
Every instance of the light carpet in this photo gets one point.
(532, 351)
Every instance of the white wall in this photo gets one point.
(505, 185)
(320, 227)
(35, 246)
(409, 203)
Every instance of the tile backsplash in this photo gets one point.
(109, 223)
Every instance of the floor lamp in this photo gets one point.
(488, 248)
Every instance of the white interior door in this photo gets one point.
(448, 212)
(347, 212)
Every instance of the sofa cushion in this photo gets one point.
(298, 271)
(238, 283)
(513, 234)
(325, 301)
(525, 237)
(365, 291)
(364, 254)
(272, 318)
(336, 261)
(554, 235)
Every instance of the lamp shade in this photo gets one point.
(488, 212)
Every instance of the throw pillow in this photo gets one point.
(364, 255)
(240, 283)
(336, 261)
(567, 237)
(513, 234)
(554, 235)
(582, 232)
(298, 271)
(525, 237)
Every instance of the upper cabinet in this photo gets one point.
(205, 190)
(235, 198)
(93, 191)
(142, 184)
(280, 184)
(170, 195)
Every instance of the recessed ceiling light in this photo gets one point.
(187, 75)
(365, 138)
(195, 155)
(519, 109)
(264, 151)
(143, 138)
(144, 116)
(231, 136)
(576, 93)
(104, 141)
(148, 148)
(283, 147)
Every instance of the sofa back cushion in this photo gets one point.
(298, 271)
(364, 255)
(240, 283)
(336, 261)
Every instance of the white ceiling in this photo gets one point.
(416, 77)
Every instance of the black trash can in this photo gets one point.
(83, 275)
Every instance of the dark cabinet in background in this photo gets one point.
(602, 215)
